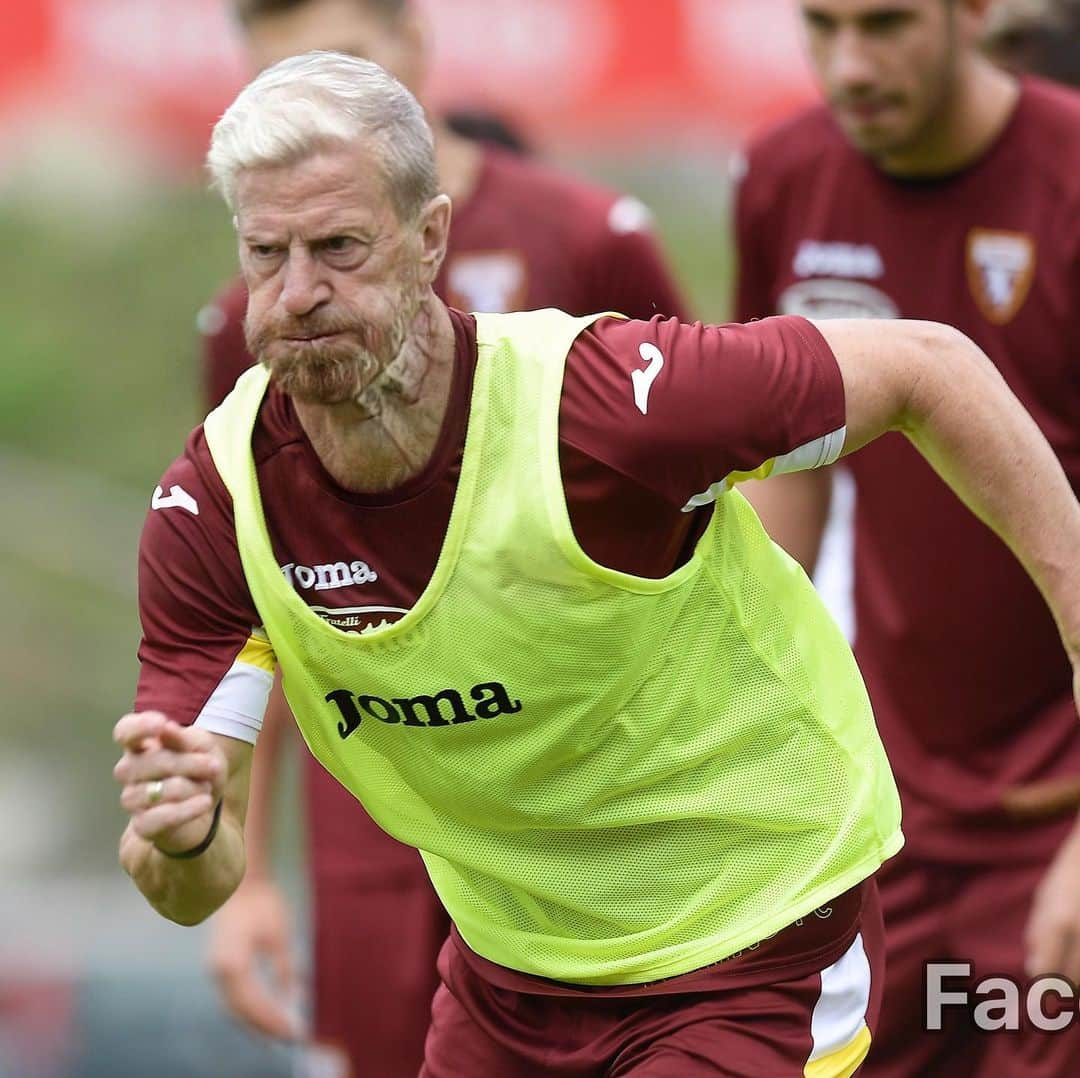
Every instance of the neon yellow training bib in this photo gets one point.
(611, 779)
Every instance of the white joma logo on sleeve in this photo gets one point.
(177, 498)
(643, 380)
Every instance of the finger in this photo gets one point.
(186, 738)
(152, 823)
(132, 730)
(190, 739)
(163, 764)
(1042, 800)
(284, 967)
(142, 795)
(124, 768)
(1035, 942)
(1047, 944)
(1070, 966)
(250, 1000)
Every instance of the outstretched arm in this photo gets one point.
(937, 387)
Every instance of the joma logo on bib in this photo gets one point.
(488, 700)
(338, 574)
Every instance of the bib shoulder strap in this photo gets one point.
(228, 430)
(546, 332)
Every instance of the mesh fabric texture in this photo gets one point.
(611, 779)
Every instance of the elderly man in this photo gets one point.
(524, 237)
(521, 614)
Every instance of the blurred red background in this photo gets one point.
(586, 73)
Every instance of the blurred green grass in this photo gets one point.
(100, 381)
(101, 384)
(100, 329)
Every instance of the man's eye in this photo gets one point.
(886, 22)
(339, 244)
(262, 250)
(820, 24)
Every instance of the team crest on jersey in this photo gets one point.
(1001, 269)
(493, 282)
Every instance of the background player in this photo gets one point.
(936, 186)
(522, 237)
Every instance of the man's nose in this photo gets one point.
(851, 64)
(304, 287)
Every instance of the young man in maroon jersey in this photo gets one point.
(523, 237)
(636, 846)
(934, 185)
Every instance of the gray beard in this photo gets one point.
(361, 371)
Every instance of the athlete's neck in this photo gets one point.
(387, 435)
(458, 161)
(980, 106)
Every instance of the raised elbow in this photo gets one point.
(941, 363)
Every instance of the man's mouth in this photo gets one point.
(867, 111)
(310, 338)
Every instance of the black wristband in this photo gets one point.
(203, 846)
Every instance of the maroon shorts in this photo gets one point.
(945, 913)
(747, 1016)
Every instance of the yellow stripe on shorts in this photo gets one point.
(844, 1061)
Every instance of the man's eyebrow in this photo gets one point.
(325, 230)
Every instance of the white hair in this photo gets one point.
(322, 100)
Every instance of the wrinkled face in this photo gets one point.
(887, 67)
(334, 278)
(347, 26)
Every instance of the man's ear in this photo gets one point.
(434, 230)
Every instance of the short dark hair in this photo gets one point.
(247, 11)
(488, 128)
(1041, 37)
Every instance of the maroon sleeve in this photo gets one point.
(754, 272)
(630, 274)
(677, 408)
(194, 605)
(224, 354)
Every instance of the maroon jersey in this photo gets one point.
(970, 684)
(526, 238)
(726, 400)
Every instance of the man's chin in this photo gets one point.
(867, 138)
(320, 377)
(308, 385)
(877, 140)
(311, 391)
